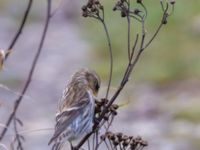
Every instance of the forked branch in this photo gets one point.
(124, 6)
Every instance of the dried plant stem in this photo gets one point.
(16, 37)
(17, 135)
(28, 81)
(132, 62)
(129, 31)
(110, 54)
(165, 15)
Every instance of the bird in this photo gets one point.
(2, 58)
(75, 115)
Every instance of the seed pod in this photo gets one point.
(123, 14)
(103, 137)
(114, 8)
(119, 135)
(113, 137)
(115, 106)
(139, 1)
(125, 143)
(104, 101)
(125, 137)
(172, 2)
(84, 8)
(101, 7)
(136, 11)
(144, 143)
(115, 142)
(93, 9)
(85, 14)
(97, 2)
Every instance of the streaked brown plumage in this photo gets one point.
(76, 108)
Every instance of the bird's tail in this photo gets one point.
(51, 140)
(57, 146)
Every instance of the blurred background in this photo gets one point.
(162, 98)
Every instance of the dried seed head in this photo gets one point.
(113, 137)
(93, 9)
(123, 14)
(104, 101)
(97, 2)
(89, 4)
(136, 11)
(116, 142)
(144, 143)
(133, 143)
(119, 3)
(110, 135)
(97, 110)
(115, 106)
(101, 7)
(98, 103)
(139, 1)
(114, 8)
(85, 14)
(138, 139)
(125, 143)
(84, 8)
(114, 112)
(125, 137)
(119, 135)
(164, 21)
(172, 2)
(103, 137)
(131, 137)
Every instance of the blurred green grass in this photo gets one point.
(173, 55)
(190, 113)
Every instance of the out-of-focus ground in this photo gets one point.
(162, 99)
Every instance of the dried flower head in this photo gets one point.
(124, 141)
(92, 9)
(172, 2)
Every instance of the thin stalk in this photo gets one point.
(16, 37)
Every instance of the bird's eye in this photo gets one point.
(96, 86)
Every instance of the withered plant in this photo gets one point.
(106, 109)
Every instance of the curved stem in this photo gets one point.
(129, 24)
(16, 37)
(110, 55)
(159, 27)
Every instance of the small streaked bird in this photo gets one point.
(76, 108)
(2, 58)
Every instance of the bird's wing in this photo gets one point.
(65, 118)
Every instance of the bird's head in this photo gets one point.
(89, 79)
(94, 81)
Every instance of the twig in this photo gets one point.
(111, 56)
(129, 32)
(164, 17)
(18, 137)
(57, 8)
(28, 81)
(16, 37)
(134, 46)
